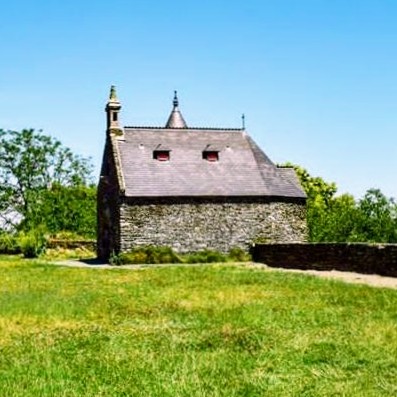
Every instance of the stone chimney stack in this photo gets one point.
(113, 107)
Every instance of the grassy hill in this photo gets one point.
(216, 330)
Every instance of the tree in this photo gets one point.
(316, 188)
(332, 218)
(320, 195)
(66, 209)
(31, 164)
(378, 218)
(339, 220)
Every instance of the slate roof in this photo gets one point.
(242, 170)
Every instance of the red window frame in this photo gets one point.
(161, 155)
(211, 155)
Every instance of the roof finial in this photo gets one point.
(176, 119)
(243, 120)
(113, 94)
(175, 102)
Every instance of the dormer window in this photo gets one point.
(161, 155)
(211, 155)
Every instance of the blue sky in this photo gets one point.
(317, 80)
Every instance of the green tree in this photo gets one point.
(377, 218)
(31, 165)
(339, 220)
(67, 209)
(333, 218)
(317, 190)
(320, 195)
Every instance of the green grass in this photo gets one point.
(216, 330)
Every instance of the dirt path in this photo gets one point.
(373, 280)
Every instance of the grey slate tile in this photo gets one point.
(243, 168)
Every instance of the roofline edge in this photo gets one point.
(182, 129)
(220, 199)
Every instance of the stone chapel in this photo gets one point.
(192, 188)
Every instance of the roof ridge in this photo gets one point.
(183, 128)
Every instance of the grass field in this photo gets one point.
(216, 330)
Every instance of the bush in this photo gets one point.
(115, 260)
(161, 255)
(32, 243)
(158, 255)
(205, 256)
(237, 254)
(146, 255)
(67, 235)
(8, 244)
(67, 253)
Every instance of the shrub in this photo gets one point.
(32, 243)
(157, 255)
(205, 256)
(115, 260)
(146, 255)
(161, 255)
(8, 244)
(237, 254)
(66, 235)
(67, 253)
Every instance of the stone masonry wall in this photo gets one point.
(193, 226)
(108, 235)
(355, 257)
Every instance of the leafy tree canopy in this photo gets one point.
(333, 218)
(31, 164)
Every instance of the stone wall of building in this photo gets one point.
(108, 233)
(355, 257)
(194, 225)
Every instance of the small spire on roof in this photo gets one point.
(176, 102)
(176, 119)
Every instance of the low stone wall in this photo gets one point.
(355, 257)
(13, 247)
(193, 225)
(72, 244)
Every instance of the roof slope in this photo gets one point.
(242, 170)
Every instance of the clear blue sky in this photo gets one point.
(316, 79)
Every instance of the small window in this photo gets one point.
(211, 155)
(114, 116)
(161, 155)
